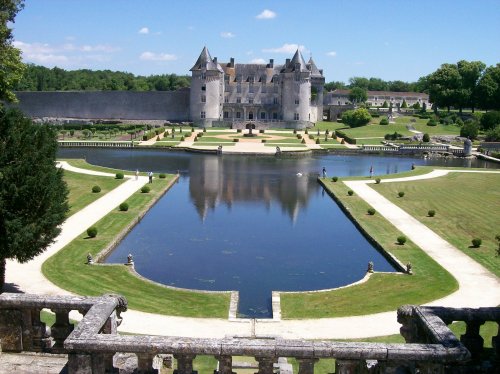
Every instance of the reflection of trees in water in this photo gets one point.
(215, 180)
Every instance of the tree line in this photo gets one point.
(40, 78)
(377, 84)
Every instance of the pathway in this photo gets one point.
(470, 275)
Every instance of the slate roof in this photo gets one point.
(206, 61)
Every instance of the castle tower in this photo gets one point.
(317, 86)
(296, 91)
(206, 91)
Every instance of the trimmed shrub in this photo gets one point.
(432, 122)
(299, 136)
(311, 136)
(236, 140)
(96, 189)
(196, 139)
(294, 131)
(92, 232)
(356, 117)
(192, 129)
(162, 176)
(350, 192)
(371, 211)
(426, 138)
(384, 122)
(476, 242)
(238, 130)
(182, 138)
(317, 141)
(204, 129)
(303, 141)
(119, 176)
(377, 180)
(263, 141)
(401, 239)
(431, 213)
(334, 179)
(261, 131)
(401, 193)
(145, 189)
(306, 132)
(199, 135)
(123, 207)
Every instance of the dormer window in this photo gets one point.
(203, 76)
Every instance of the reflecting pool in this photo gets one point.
(252, 224)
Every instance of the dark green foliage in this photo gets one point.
(404, 105)
(356, 118)
(317, 141)
(263, 141)
(92, 232)
(204, 129)
(182, 138)
(431, 122)
(358, 95)
(401, 193)
(385, 105)
(119, 176)
(476, 242)
(33, 195)
(162, 176)
(371, 211)
(311, 136)
(303, 141)
(238, 130)
(145, 189)
(401, 240)
(431, 213)
(426, 138)
(384, 122)
(334, 179)
(394, 136)
(123, 207)
(377, 180)
(470, 129)
(490, 120)
(493, 135)
(236, 140)
(306, 132)
(39, 78)
(350, 192)
(262, 131)
(299, 136)
(96, 189)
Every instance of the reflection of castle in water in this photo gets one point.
(224, 180)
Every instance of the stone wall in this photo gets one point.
(162, 105)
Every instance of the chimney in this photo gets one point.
(215, 60)
(287, 62)
(231, 62)
(321, 71)
(271, 62)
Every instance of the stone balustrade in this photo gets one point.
(102, 144)
(92, 344)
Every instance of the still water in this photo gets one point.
(251, 224)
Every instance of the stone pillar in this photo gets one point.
(347, 367)
(265, 365)
(409, 329)
(495, 343)
(225, 364)
(41, 340)
(145, 364)
(306, 365)
(110, 327)
(79, 363)
(184, 363)
(12, 336)
(472, 340)
(60, 330)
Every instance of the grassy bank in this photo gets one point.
(382, 292)
(68, 270)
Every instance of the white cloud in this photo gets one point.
(151, 56)
(98, 48)
(258, 61)
(266, 14)
(227, 34)
(332, 54)
(286, 48)
(144, 30)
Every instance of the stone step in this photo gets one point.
(29, 362)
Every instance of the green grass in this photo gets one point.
(325, 125)
(81, 185)
(68, 270)
(467, 206)
(213, 144)
(83, 164)
(374, 131)
(382, 292)
(421, 125)
(285, 145)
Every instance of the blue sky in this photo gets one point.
(392, 40)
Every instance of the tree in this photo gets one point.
(470, 129)
(404, 105)
(489, 120)
(11, 67)
(443, 86)
(385, 105)
(488, 88)
(33, 195)
(356, 118)
(470, 73)
(358, 95)
(335, 85)
(360, 82)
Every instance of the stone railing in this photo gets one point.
(92, 344)
(91, 143)
(378, 148)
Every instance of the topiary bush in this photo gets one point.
(377, 180)
(92, 232)
(431, 213)
(371, 211)
(303, 141)
(262, 131)
(306, 132)
(162, 176)
(145, 189)
(123, 207)
(311, 136)
(401, 193)
(431, 122)
(334, 179)
(236, 140)
(299, 136)
(263, 140)
(317, 141)
(238, 130)
(476, 242)
(426, 138)
(204, 129)
(119, 176)
(96, 189)
(384, 122)
(350, 192)
(401, 240)
(182, 138)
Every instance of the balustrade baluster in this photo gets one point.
(145, 363)
(265, 364)
(471, 339)
(495, 342)
(184, 364)
(40, 338)
(61, 329)
(306, 365)
(347, 367)
(225, 364)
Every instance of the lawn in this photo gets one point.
(382, 292)
(68, 270)
(467, 206)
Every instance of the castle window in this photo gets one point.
(226, 99)
(238, 100)
(238, 114)
(275, 115)
(296, 101)
(202, 115)
(203, 76)
(264, 88)
(238, 88)
(250, 115)
(250, 88)
(262, 115)
(296, 116)
(203, 99)
(251, 79)
(226, 114)
(338, 102)
(275, 100)
(250, 101)
(203, 87)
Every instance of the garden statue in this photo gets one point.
(370, 267)
(90, 260)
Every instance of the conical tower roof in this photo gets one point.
(298, 59)
(313, 68)
(205, 61)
